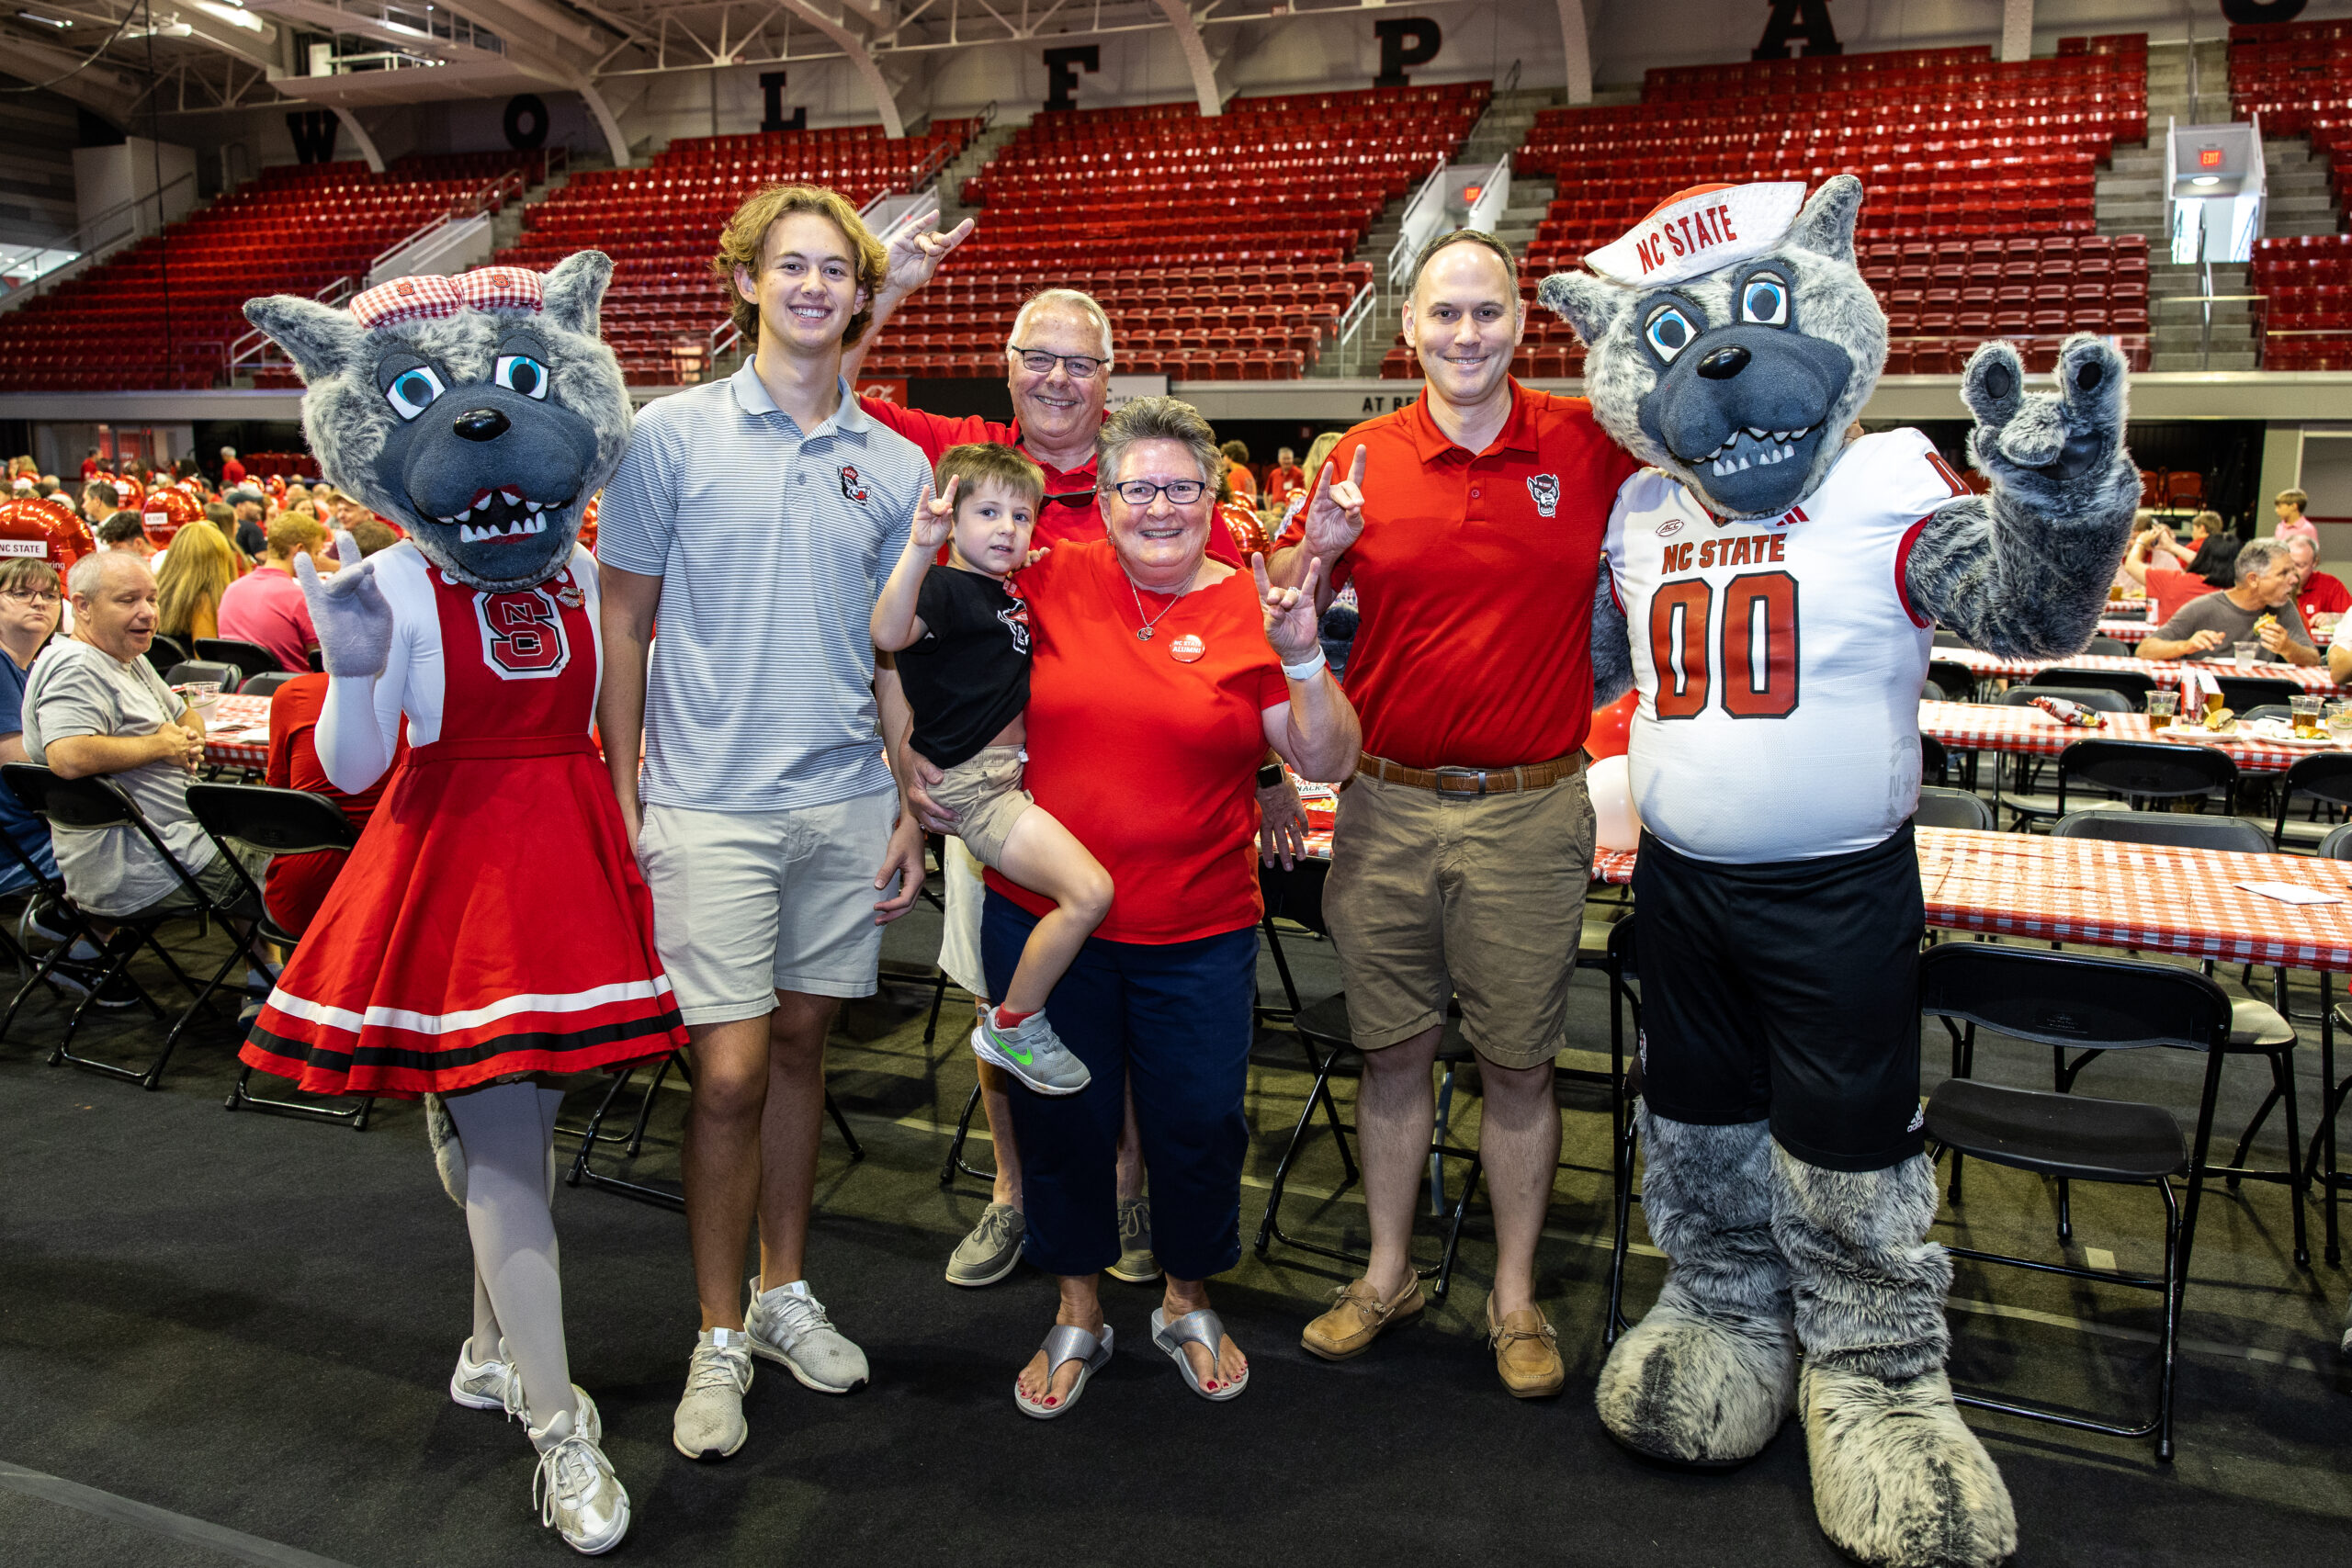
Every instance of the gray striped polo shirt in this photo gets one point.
(771, 547)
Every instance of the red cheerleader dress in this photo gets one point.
(492, 921)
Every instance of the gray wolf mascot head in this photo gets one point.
(481, 412)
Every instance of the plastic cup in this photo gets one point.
(2161, 706)
(2247, 652)
(2339, 723)
(204, 696)
(2304, 711)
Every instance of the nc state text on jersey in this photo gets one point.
(1740, 549)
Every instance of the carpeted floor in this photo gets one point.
(249, 1321)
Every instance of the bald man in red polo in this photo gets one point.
(1470, 523)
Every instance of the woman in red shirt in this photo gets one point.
(297, 885)
(1157, 679)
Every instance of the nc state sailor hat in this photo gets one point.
(1699, 230)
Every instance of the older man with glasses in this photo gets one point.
(1058, 363)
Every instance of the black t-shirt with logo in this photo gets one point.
(968, 675)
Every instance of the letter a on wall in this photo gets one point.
(1805, 19)
(1062, 66)
(313, 132)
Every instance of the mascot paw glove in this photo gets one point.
(2023, 437)
(353, 620)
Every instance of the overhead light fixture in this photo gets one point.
(235, 15)
(45, 21)
(2206, 180)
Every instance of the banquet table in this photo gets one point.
(2163, 671)
(2153, 897)
(238, 735)
(2133, 631)
(2030, 732)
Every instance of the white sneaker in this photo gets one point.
(709, 1423)
(479, 1386)
(575, 1489)
(591, 1423)
(788, 1325)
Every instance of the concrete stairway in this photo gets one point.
(963, 166)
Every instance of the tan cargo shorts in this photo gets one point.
(985, 794)
(1475, 897)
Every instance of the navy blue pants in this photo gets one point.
(1175, 1020)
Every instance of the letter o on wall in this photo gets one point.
(527, 121)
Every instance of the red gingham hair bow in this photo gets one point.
(424, 297)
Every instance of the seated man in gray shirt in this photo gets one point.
(95, 706)
(2261, 608)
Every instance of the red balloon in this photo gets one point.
(1609, 727)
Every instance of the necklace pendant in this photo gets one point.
(1143, 634)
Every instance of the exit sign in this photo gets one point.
(2209, 157)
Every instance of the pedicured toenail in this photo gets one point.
(1052, 1400)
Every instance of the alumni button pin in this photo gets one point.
(1187, 649)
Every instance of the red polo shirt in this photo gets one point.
(2323, 594)
(1473, 580)
(1080, 518)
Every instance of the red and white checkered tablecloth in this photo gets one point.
(2163, 671)
(2125, 631)
(238, 735)
(2030, 732)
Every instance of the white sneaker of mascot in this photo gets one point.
(1782, 579)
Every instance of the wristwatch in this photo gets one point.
(1268, 775)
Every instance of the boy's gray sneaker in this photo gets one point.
(1137, 1263)
(709, 1423)
(1032, 1052)
(789, 1325)
(993, 1248)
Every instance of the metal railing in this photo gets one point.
(2257, 320)
(125, 224)
(1400, 255)
(1348, 340)
(257, 350)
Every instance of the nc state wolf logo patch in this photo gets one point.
(853, 487)
(1545, 489)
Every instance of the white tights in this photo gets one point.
(508, 1130)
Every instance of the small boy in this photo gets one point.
(962, 638)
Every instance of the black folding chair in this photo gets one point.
(2129, 684)
(202, 670)
(280, 822)
(250, 657)
(2322, 1158)
(2240, 693)
(1952, 808)
(164, 652)
(97, 804)
(1934, 764)
(2107, 647)
(2325, 780)
(2137, 771)
(1323, 1033)
(2256, 1028)
(1956, 680)
(265, 685)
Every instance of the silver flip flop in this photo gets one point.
(1203, 1328)
(1064, 1345)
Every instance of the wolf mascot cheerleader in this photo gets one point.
(1770, 587)
(490, 933)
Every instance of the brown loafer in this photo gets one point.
(1527, 1352)
(1359, 1316)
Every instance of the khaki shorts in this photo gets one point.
(984, 792)
(219, 882)
(1481, 898)
(750, 903)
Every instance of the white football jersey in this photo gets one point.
(1778, 661)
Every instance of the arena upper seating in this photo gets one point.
(2298, 78)
(1221, 248)
(661, 224)
(298, 229)
(1981, 179)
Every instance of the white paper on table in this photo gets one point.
(2290, 893)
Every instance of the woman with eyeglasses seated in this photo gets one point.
(30, 602)
(1157, 679)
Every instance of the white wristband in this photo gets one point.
(1307, 671)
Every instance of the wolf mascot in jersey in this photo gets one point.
(1770, 586)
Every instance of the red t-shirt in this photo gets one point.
(1151, 763)
(2323, 594)
(297, 885)
(1281, 481)
(1474, 648)
(232, 472)
(1058, 522)
(1244, 482)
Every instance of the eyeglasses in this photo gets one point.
(1072, 498)
(1141, 493)
(1038, 362)
(31, 595)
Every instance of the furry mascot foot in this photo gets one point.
(1708, 1376)
(1898, 1479)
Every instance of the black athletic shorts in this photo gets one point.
(1787, 990)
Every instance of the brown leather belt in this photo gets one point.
(1474, 780)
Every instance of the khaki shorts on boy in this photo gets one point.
(1434, 897)
(985, 794)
